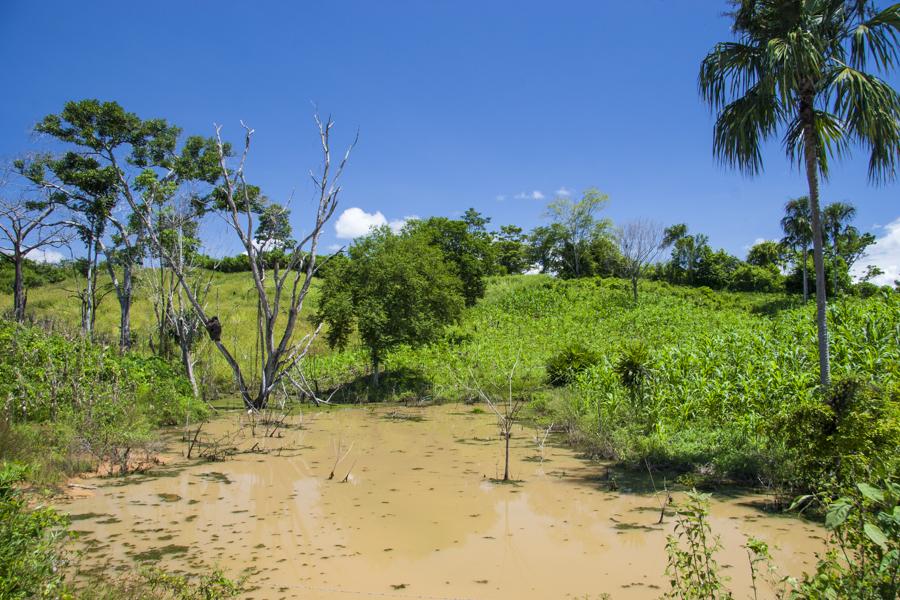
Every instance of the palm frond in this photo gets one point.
(870, 110)
(876, 37)
(728, 72)
(743, 125)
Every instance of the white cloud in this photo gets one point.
(45, 255)
(334, 247)
(564, 192)
(884, 254)
(533, 195)
(501, 198)
(355, 222)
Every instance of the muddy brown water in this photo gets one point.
(418, 517)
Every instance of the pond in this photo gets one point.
(420, 514)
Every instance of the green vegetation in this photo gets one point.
(392, 289)
(862, 559)
(70, 406)
(808, 70)
(30, 543)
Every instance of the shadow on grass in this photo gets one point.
(394, 385)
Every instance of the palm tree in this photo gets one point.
(797, 227)
(836, 220)
(802, 67)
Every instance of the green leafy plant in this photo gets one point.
(863, 561)
(564, 367)
(633, 368)
(693, 571)
(31, 539)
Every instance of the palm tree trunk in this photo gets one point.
(834, 262)
(807, 117)
(805, 275)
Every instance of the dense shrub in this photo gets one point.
(30, 543)
(751, 278)
(563, 367)
(43, 374)
(863, 559)
(36, 274)
(633, 367)
(67, 403)
(849, 432)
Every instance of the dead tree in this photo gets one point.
(176, 318)
(27, 226)
(640, 242)
(505, 397)
(288, 286)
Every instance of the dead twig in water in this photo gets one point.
(666, 500)
(194, 441)
(338, 457)
(347, 476)
(541, 441)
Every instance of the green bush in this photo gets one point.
(31, 540)
(752, 278)
(563, 367)
(67, 403)
(849, 432)
(42, 374)
(634, 369)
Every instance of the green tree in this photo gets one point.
(475, 221)
(392, 289)
(846, 244)
(767, 254)
(274, 229)
(109, 150)
(803, 66)
(688, 252)
(511, 250)
(797, 226)
(465, 244)
(544, 244)
(716, 269)
(578, 225)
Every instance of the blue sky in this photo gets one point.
(458, 104)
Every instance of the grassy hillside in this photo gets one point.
(232, 298)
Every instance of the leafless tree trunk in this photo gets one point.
(289, 287)
(26, 227)
(175, 315)
(503, 400)
(89, 294)
(640, 242)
